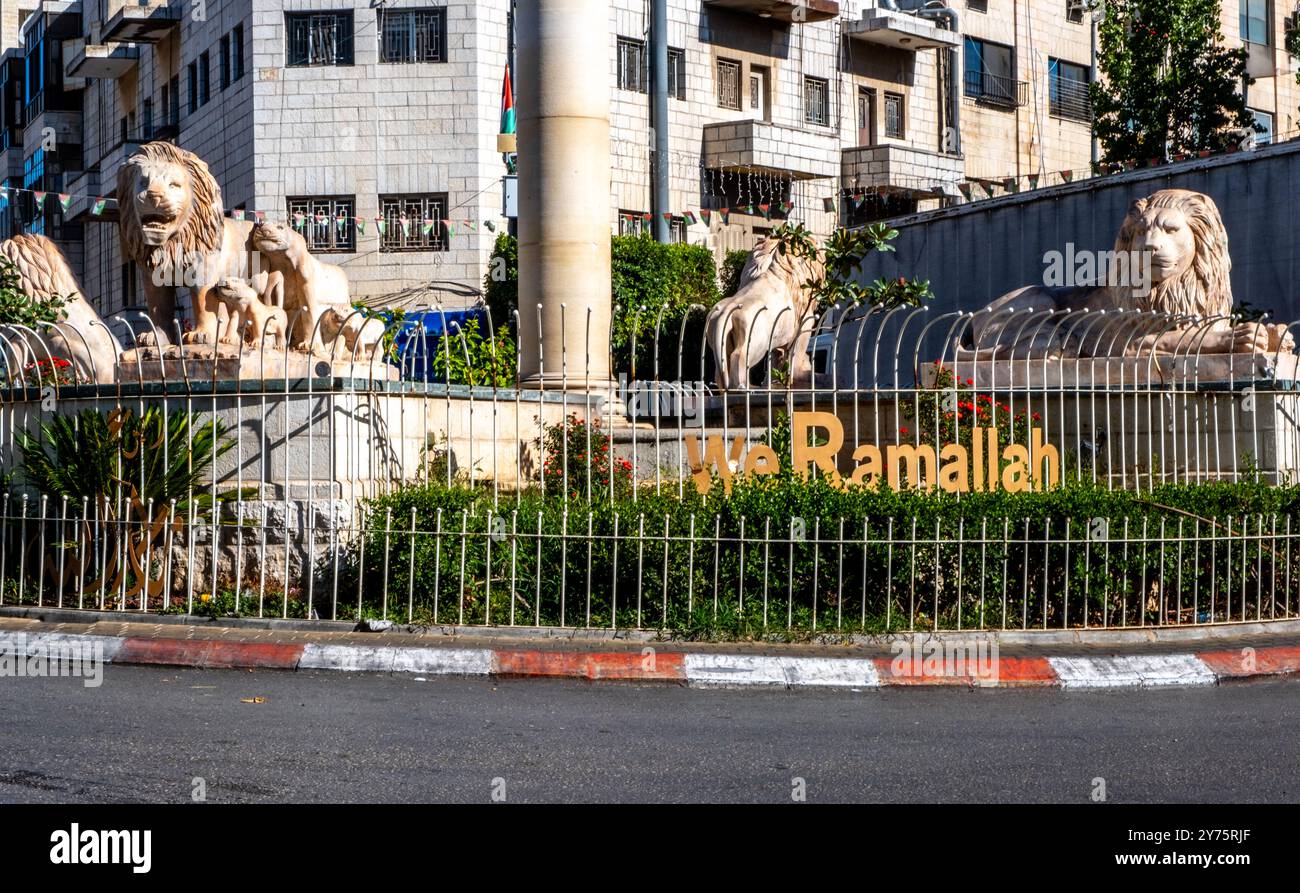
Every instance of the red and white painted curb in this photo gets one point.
(693, 669)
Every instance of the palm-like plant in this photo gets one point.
(122, 455)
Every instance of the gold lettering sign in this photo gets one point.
(953, 468)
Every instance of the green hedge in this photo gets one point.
(872, 584)
(653, 286)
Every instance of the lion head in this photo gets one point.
(792, 269)
(1182, 234)
(270, 237)
(169, 204)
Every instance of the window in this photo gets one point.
(194, 86)
(631, 65)
(128, 285)
(146, 118)
(677, 230)
(990, 74)
(1068, 90)
(413, 35)
(319, 38)
(977, 5)
(728, 84)
(176, 100)
(166, 103)
(1074, 10)
(676, 73)
(237, 53)
(317, 220)
(224, 57)
(205, 87)
(424, 228)
(894, 115)
(1254, 21)
(1263, 120)
(816, 101)
(631, 223)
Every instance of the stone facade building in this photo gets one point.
(812, 110)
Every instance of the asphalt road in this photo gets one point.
(146, 734)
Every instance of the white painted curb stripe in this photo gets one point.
(433, 661)
(19, 643)
(1143, 670)
(741, 669)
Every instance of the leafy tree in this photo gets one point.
(844, 253)
(1169, 84)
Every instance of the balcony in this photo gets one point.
(759, 146)
(903, 170)
(1069, 99)
(787, 11)
(109, 61)
(900, 31)
(140, 21)
(995, 90)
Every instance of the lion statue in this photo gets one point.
(1174, 249)
(771, 313)
(310, 285)
(252, 311)
(172, 224)
(81, 337)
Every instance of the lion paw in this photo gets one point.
(1250, 337)
(198, 336)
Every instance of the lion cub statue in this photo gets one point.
(253, 309)
(310, 285)
(361, 335)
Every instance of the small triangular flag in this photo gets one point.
(40, 199)
(988, 187)
(705, 214)
(647, 216)
(339, 221)
(238, 213)
(451, 228)
(1033, 181)
(259, 216)
(858, 199)
(1067, 176)
(1009, 184)
(690, 217)
(749, 208)
(667, 216)
(964, 188)
(381, 225)
(65, 201)
(426, 226)
(1152, 162)
(723, 214)
(470, 225)
(787, 207)
(298, 219)
(766, 209)
(361, 226)
(406, 225)
(320, 216)
(98, 207)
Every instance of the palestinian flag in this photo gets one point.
(507, 105)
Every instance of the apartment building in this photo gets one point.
(340, 115)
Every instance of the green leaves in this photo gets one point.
(843, 256)
(467, 357)
(17, 307)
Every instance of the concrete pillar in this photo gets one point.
(564, 189)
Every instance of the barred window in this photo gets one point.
(894, 115)
(421, 212)
(816, 101)
(319, 38)
(316, 218)
(414, 35)
(631, 65)
(631, 223)
(728, 84)
(677, 73)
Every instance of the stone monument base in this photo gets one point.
(230, 362)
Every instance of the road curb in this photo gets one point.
(700, 670)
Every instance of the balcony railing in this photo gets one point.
(1070, 99)
(996, 90)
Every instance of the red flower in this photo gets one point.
(902, 429)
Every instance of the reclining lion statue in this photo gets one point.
(81, 337)
(1181, 237)
(172, 224)
(771, 313)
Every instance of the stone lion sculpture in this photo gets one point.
(81, 337)
(172, 224)
(1180, 236)
(310, 285)
(249, 312)
(361, 335)
(771, 312)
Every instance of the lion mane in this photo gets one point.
(1204, 288)
(202, 227)
(793, 270)
(42, 268)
